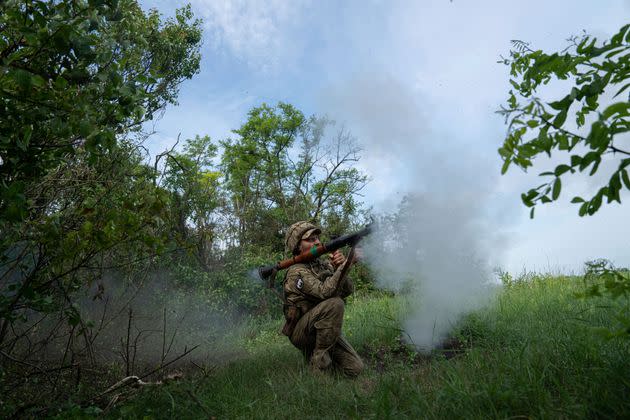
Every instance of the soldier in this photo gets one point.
(314, 304)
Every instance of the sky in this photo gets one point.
(418, 84)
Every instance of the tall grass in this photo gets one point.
(532, 354)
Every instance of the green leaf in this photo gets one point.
(595, 166)
(583, 209)
(614, 186)
(26, 137)
(544, 141)
(563, 141)
(561, 105)
(22, 78)
(620, 108)
(591, 101)
(38, 81)
(587, 159)
(577, 200)
(561, 169)
(505, 166)
(580, 119)
(557, 185)
(625, 178)
(595, 203)
(61, 83)
(582, 48)
(559, 120)
(623, 89)
(615, 181)
(531, 213)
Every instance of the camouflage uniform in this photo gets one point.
(314, 294)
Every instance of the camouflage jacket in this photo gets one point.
(306, 285)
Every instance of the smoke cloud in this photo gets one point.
(154, 321)
(436, 252)
(439, 238)
(138, 324)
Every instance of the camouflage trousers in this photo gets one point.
(318, 335)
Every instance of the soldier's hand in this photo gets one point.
(337, 258)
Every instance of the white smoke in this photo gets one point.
(436, 254)
(439, 243)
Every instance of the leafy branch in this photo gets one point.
(535, 127)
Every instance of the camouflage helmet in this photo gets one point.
(297, 232)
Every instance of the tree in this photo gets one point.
(536, 127)
(196, 196)
(77, 74)
(256, 170)
(77, 79)
(271, 183)
(334, 195)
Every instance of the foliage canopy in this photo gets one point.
(77, 74)
(77, 78)
(536, 127)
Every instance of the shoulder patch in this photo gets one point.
(299, 283)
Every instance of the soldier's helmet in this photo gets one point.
(297, 232)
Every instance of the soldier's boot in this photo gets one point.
(325, 340)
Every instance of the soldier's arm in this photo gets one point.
(346, 286)
(307, 283)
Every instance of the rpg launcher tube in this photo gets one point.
(266, 273)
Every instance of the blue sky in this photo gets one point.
(417, 83)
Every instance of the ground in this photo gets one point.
(534, 352)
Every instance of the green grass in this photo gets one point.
(532, 354)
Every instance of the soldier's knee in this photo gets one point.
(335, 304)
(330, 314)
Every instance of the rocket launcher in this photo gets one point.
(268, 273)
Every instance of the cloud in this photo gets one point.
(256, 32)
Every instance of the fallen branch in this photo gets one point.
(134, 380)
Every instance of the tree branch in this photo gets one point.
(617, 150)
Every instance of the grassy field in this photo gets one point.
(533, 353)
